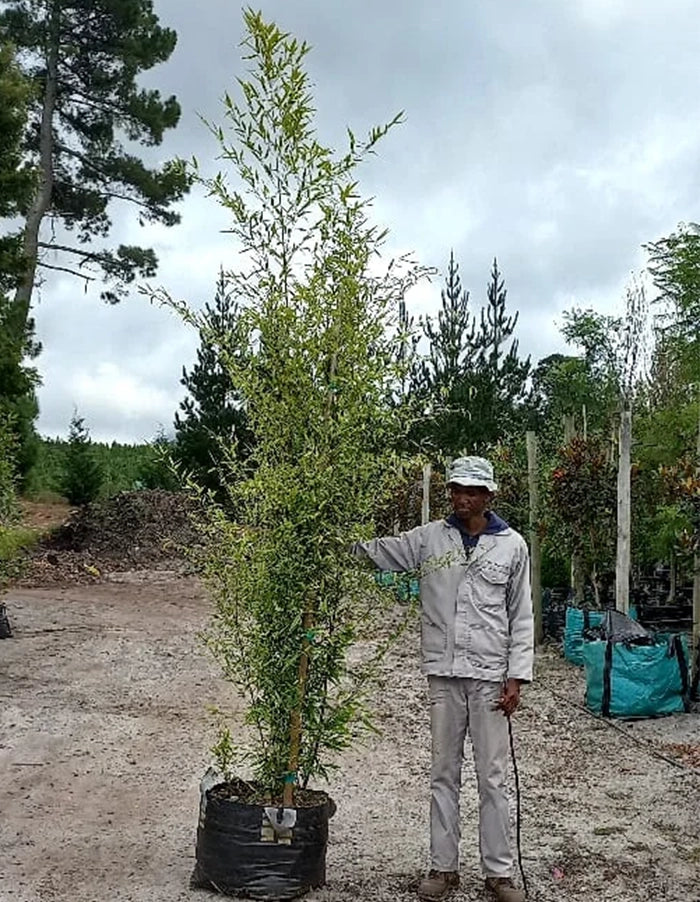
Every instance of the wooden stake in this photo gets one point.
(295, 724)
(295, 718)
(535, 552)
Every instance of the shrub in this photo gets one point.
(82, 474)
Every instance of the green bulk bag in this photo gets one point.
(578, 620)
(628, 680)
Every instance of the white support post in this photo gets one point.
(425, 508)
(535, 551)
(624, 513)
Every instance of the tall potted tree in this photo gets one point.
(315, 363)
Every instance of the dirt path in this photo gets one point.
(104, 733)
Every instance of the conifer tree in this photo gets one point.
(501, 376)
(82, 475)
(83, 58)
(212, 420)
(18, 379)
(470, 387)
(441, 383)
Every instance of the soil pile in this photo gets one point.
(140, 530)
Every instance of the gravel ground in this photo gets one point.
(104, 731)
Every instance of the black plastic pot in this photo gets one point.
(259, 852)
(5, 628)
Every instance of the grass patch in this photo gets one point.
(14, 539)
(45, 496)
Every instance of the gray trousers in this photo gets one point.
(456, 706)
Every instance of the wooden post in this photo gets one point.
(569, 427)
(696, 595)
(624, 513)
(295, 724)
(425, 508)
(535, 551)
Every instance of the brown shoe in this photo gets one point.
(504, 890)
(438, 885)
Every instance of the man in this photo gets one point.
(477, 651)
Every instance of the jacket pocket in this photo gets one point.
(490, 584)
(487, 648)
(433, 640)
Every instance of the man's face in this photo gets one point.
(469, 500)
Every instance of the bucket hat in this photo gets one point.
(472, 471)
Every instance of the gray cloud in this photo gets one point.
(558, 137)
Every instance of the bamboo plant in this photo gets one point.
(313, 354)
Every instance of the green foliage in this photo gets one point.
(674, 263)
(16, 179)
(225, 753)
(509, 459)
(442, 388)
(18, 380)
(14, 540)
(562, 386)
(682, 484)
(581, 506)
(8, 476)
(18, 383)
(503, 374)
(84, 58)
(468, 389)
(82, 475)
(212, 424)
(315, 363)
(10, 537)
(124, 467)
(156, 468)
(614, 348)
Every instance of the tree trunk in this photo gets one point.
(535, 553)
(624, 513)
(42, 198)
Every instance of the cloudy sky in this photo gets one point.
(557, 136)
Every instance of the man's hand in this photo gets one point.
(510, 697)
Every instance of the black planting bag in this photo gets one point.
(234, 859)
(5, 628)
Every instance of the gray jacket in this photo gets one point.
(476, 616)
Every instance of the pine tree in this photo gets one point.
(212, 422)
(82, 475)
(16, 179)
(469, 386)
(441, 384)
(83, 58)
(500, 375)
(18, 379)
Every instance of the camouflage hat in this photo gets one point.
(472, 471)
